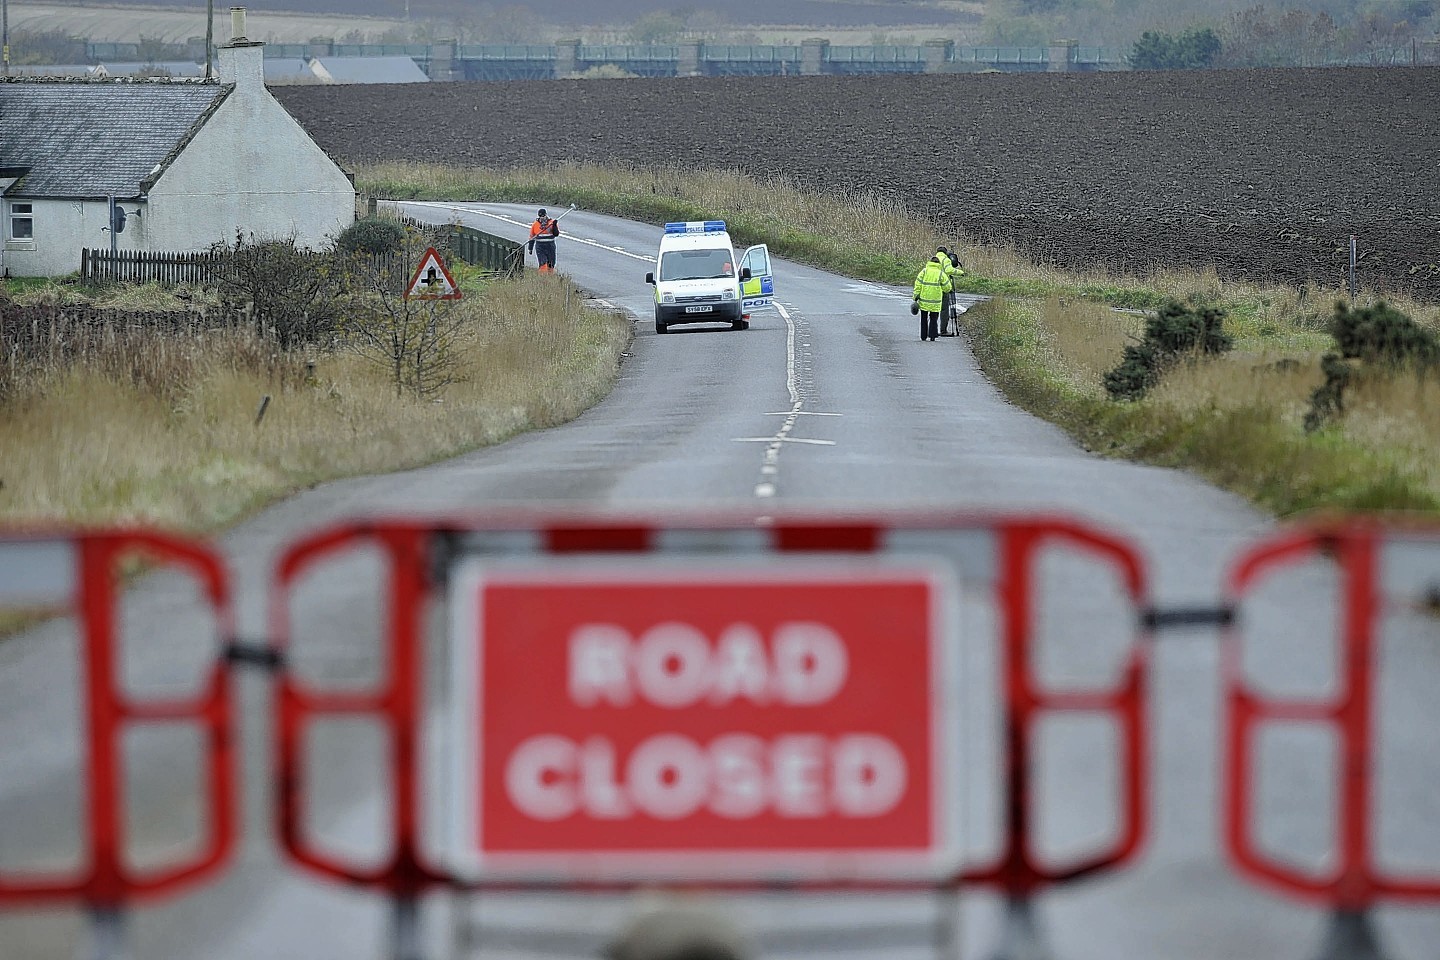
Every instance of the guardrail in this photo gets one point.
(496, 254)
(549, 61)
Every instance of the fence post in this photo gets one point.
(1352, 266)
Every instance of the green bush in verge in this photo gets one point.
(1176, 330)
(1375, 340)
(372, 235)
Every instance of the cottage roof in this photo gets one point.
(286, 68)
(90, 139)
(52, 69)
(369, 70)
(187, 69)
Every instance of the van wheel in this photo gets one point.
(661, 326)
(740, 325)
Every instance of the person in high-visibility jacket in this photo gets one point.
(542, 241)
(931, 285)
(953, 270)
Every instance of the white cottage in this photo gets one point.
(190, 163)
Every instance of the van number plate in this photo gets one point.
(705, 309)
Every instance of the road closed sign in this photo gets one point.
(640, 720)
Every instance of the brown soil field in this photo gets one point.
(1263, 174)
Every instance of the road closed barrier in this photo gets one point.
(1382, 568)
(80, 574)
(704, 701)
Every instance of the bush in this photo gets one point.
(1372, 341)
(1381, 334)
(290, 293)
(1191, 50)
(1177, 330)
(371, 235)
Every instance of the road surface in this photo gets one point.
(829, 399)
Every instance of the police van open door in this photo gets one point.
(759, 289)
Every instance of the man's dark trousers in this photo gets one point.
(929, 324)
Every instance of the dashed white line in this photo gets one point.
(790, 380)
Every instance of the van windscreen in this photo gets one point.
(710, 264)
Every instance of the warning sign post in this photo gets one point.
(643, 721)
(432, 280)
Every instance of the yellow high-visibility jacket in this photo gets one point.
(931, 285)
(952, 269)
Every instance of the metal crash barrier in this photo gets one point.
(80, 574)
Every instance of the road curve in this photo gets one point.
(829, 399)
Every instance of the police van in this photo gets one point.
(697, 279)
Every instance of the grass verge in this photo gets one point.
(178, 444)
(1234, 421)
(1049, 334)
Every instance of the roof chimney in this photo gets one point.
(242, 62)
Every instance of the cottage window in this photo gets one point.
(22, 222)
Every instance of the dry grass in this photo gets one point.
(1083, 339)
(1237, 419)
(92, 442)
(1398, 415)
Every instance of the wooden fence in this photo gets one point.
(476, 247)
(139, 266)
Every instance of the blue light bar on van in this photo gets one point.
(696, 226)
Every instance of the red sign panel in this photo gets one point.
(648, 721)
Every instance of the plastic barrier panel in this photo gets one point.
(1357, 550)
(997, 555)
(80, 573)
(1019, 871)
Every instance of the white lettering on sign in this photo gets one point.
(737, 776)
(674, 665)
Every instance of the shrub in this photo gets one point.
(1177, 330)
(372, 235)
(1191, 50)
(1381, 334)
(289, 292)
(1373, 341)
(417, 342)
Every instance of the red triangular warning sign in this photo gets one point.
(432, 281)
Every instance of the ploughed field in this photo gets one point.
(1264, 174)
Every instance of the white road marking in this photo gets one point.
(770, 469)
(453, 208)
(790, 381)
